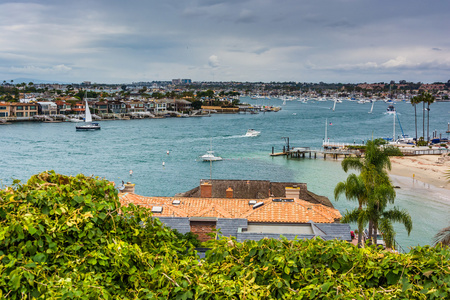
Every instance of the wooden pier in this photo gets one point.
(304, 152)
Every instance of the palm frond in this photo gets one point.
(399, 216)
(442, 237)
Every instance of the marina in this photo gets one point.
(141, 145)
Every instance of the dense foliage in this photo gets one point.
(68, 237)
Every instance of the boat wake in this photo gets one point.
(234, 137)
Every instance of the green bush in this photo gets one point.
(392, 151)
(69, 238)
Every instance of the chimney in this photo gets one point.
(128, 188)
(205, 190)
(229, 192)
(292, 192)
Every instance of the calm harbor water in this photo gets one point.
(142, 145)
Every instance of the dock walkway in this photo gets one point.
(302, 152)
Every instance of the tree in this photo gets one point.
(428, 99)
(354, 189)
(379, 193)
(414, 101)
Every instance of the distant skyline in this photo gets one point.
(346, 41)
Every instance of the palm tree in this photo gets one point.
(354, 189)
(428, 99)
(414, 101)
(378, 193)
(442, 237)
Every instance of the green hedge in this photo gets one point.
(68, 238)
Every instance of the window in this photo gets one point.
(19, 107)
(3, 114)
(19, 114)
(3, 107)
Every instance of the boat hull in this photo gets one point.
(88, 127)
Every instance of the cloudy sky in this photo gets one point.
(112, 41)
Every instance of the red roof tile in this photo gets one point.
(298, 211)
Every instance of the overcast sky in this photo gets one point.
(111, 41)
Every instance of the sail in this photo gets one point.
(88, 117)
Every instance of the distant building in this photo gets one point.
(181, 81)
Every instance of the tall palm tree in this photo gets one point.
(414, 101)
(379, 192)
(428, 99)
(442, 237)
(354, 189)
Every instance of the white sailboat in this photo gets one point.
(371, 109)
(88, 120)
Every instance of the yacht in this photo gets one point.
(210, 156)
(252, 132)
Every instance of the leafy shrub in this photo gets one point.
(392, 151)
(69, 238)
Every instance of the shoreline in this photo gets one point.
(424, 168)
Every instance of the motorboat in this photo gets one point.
(210, 156)
(88, 125)
(252, 133)
(75, 120)
(390, 109)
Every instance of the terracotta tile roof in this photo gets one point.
(298, 211)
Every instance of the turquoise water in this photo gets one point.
(142, 145)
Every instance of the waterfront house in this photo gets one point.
(5, 109)
(135, 106)
(182, 105)
(79, 108)
(101, 107)
(48, 108)
(63, 107)
(117, 107)
(160, 106)
(200, 211)
(24, 110)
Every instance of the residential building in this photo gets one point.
(63, 107)
(24, 110)
(101, 107)
(79, 108)
(117, 107)
(5, 109)
(259, 216)
(135, 106)
(48, 108)
(160, 106)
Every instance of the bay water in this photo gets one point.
(141, 146)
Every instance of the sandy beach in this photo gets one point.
(425, 168)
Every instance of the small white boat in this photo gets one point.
(390, 109)
(252, 132)
(89, 125)
(209, 156)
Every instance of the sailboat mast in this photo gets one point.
(393, 137)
